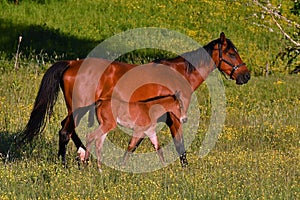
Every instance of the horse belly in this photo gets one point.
(125, 123)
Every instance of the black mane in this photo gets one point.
(195, 58)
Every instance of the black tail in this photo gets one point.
(44, 102)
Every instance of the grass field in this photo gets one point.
(257, 155)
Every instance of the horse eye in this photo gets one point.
(232, 55)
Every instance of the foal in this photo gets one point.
(140, 116)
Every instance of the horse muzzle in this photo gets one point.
(183, 119)
(243, 78)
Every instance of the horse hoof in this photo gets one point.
(85, 163)
(184, 165)
(81, 154)
(100, 170)
(183, 160)
(163, 164)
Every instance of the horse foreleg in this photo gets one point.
(133, 144)
(177, 134)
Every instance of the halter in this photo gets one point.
(234, 67)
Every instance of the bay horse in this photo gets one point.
(193, 66)
(140, 116)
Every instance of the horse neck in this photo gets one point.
(172, 105)
(167, 102)
(196, 78)
(198, 65)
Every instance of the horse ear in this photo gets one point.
(223, 38)
(177, 94)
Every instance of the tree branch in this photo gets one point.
(284, 33)
(276, 13)
(273, 13)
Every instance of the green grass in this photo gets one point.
(256, 156)
(257, 153)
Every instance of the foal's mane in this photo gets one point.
(156, 98)
(174, 96)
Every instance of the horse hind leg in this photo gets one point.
(154, 140)
(151, 133)
(81, 150)
(99, 144)
(89, 139)
(65, 133)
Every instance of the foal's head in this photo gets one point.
(168, 104)
(183, 115)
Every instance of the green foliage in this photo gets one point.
(296, 8)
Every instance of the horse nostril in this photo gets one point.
(184, 120)
(247, 76)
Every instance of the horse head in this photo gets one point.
(228, 61)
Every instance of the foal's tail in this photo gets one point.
(44, 102)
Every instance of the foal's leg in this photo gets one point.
(89, 139)
(99, 144)
(133, 144)
(154, 140)
(98, 136)
(151, 133)
(176, 132)
(107, 123)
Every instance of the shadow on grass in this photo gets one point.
(10, 152)
(7, 145)
(52, 44)
(42, 39)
